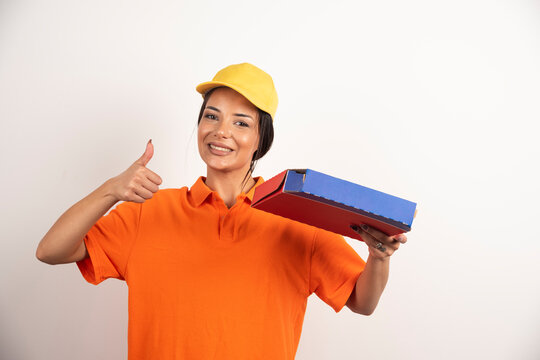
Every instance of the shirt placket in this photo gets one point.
(226, 219)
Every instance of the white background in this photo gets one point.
(436, 102)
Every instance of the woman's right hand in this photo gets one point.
(137, 183)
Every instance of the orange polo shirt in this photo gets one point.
(208, 282)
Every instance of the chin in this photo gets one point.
(217, 166)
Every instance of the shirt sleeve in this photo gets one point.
(335, 267)
(109, 243)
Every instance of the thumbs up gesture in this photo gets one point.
(137, 183)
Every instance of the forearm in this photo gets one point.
(67, 233)
(370, 285)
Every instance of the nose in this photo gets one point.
(224, 129)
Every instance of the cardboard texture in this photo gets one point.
(332, 204)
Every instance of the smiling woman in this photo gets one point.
(249, 133)
(209, 275)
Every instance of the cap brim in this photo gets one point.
(205, 86)
(202, 88)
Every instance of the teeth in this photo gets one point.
(219, 148)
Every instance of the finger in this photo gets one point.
(376, 236)
(370, 240)
(402, 238)
(392, 245)
(378, 246)
(131, 195)
(153, 177)
(149, 185)
(143, 192)
(148, 153)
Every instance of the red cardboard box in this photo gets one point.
(332, 204)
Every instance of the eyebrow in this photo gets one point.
(241, 115)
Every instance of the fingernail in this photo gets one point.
(365, 227)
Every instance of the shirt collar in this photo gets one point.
(200, 191)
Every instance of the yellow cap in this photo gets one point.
(250, 81)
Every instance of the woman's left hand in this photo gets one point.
(380, 245)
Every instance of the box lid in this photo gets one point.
(345, 192)
(352, 203)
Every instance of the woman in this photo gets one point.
(210, 277)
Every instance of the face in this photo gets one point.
(228, 133)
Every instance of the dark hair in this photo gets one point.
(266, 134)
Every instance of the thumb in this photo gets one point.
(148, 153)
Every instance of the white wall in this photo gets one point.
(436, 102)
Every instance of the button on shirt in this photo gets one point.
(209, 282)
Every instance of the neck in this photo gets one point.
(228, 184)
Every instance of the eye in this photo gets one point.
(242, 123)
(210, 116)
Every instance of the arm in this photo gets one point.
(64, 243)
(372, 281)
(369, 286)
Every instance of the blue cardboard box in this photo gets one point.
(333, 204)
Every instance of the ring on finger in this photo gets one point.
(379, 246)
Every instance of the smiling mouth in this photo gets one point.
(219, 148)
